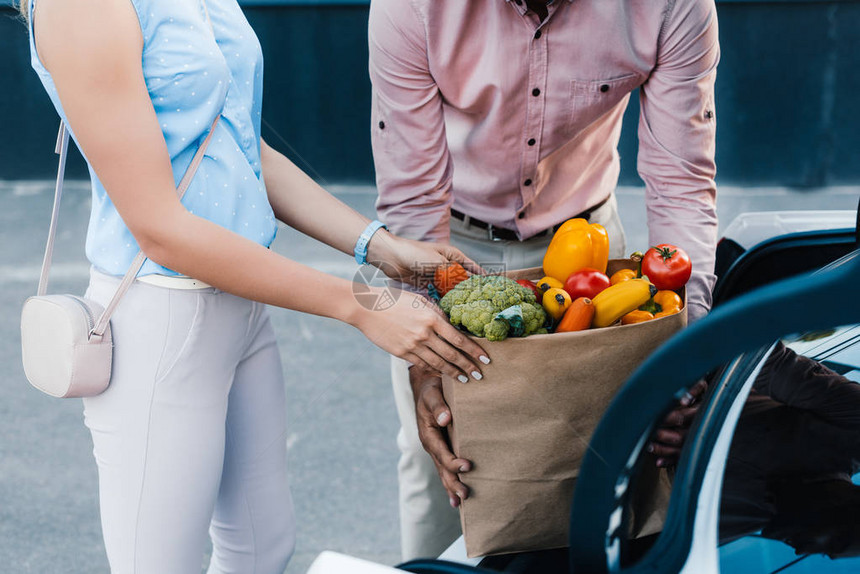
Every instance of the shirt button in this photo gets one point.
(527, 182)
(521, 215)
(536, 92)
(531, 141)
(538, 34)
(604, 88)
(382, 125)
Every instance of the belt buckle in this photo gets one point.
(491, 233)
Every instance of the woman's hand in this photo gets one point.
(414, 329)
(414, 262)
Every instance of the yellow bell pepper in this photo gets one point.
(577, 244)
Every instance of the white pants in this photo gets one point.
(428, 524)
(190, 434)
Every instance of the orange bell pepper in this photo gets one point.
(577, 244)
(668, 301)
(636, 316)
(449, 276)
(622, 275)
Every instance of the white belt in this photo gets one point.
(173, 282)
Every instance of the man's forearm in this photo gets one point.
(677, 131)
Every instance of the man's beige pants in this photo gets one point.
(428, 524)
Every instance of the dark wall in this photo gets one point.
(788, 95)
(317, 89)
(788, 108)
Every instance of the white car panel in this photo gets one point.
(333, 563)
(750, 229)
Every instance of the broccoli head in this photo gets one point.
(474, 303)
(460, 293)
(497, 330)
(452, 298)
(500, 291)
(534, 318)
(473, 316)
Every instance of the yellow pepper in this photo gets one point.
(577, 244)
(668, 301)
(548, 283)
(622, 275)
(555, 302)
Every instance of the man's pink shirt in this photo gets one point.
(480, 107)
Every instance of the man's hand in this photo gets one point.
(669, 437)
(433, 417)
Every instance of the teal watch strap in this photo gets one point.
(364, 239)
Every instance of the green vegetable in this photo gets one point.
(513, 316)
(477, 305)
(534, 318)
(501, 291)
(496, 330)
(472, 316)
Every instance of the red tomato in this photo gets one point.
(530, 285)
(667, 267)
(586, 283)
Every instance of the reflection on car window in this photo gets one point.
(790, 489)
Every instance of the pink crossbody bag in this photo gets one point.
(66, 341)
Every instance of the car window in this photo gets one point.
(790, 498)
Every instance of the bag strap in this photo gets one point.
(140, 258)
(60, 148)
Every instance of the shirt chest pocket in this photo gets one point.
(590, 99)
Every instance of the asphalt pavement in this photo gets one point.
(342, 421)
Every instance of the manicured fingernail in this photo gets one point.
(460, 495)
(687, 399)
(463, 378)
(485, 359)
(478, 376)
(442, 419)
(464, 468)
(453, 501)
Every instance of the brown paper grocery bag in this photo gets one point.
(527, 424)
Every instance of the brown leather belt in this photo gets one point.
(502, 234)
